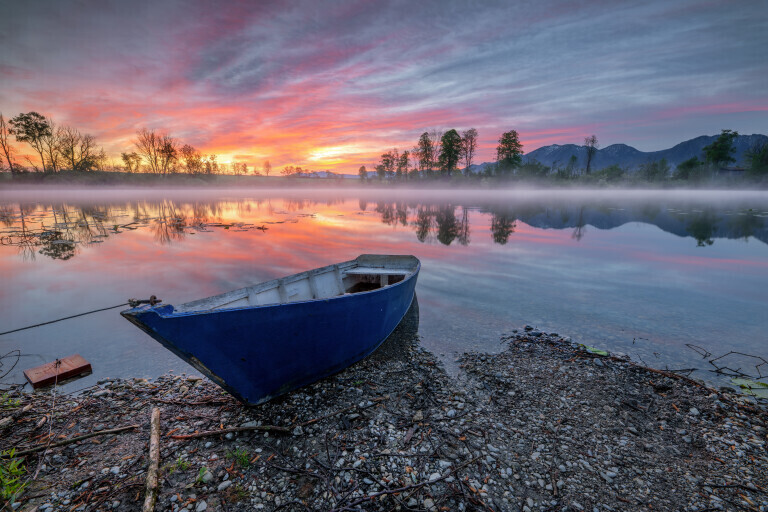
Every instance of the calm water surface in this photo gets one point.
(648, 274)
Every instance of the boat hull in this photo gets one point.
(258, 353)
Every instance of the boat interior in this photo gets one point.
(366, 273)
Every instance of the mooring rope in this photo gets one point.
(131, 302)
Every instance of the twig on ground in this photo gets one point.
(76, 439)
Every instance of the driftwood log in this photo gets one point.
(9, 420)
(150, 497)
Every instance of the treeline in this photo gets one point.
(715, 162)
(58, 146)
(61, 147)
(438, 155)
(299, 172)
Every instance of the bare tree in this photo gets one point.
(169, 154)
(591, 144)
(52, 144)
(191, 159)
(101, 160)
(266, 167)
(239, 168)
(5, 144)
(210, 166)
(159, 150)
(132, 161)
(436, 137)
(468, 146)
(148, 146)
(77, 150)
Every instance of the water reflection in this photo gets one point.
(58, 231)
(502, 225)
(607, 272)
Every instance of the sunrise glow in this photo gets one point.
(332, 87)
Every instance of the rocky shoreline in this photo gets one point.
(543, 425)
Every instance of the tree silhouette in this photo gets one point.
(468, 146)
(5, 144)
(31, 128)
(423, 223)
(592, 145)
(56, 247)
(719, 152)
(450, 152)
(78, 150)
(702, 228)
(426, 155)
(159, 149)
(502, 225)
(447, 225)
(509, 152)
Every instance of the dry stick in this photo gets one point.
(76, 439)
(8, 420)
(150, 496)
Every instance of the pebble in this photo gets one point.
(587, 431)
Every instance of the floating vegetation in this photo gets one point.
(751, 387)
(596, 351)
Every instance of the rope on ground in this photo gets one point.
(65, 318)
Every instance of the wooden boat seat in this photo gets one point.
(375, 271)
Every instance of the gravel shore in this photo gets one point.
(543, 425)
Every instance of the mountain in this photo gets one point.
(627, 156)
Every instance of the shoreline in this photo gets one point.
(543, 425)
(120, 180)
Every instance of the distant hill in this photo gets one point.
(629, 157)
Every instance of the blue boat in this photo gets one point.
(265, 340)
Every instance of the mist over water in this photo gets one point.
(642, 272)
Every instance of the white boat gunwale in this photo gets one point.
(353, 268)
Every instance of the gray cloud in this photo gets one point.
(531, 65)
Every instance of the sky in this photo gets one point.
(333, 84)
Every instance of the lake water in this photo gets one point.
(665, 277)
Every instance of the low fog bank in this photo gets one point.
(453, 195)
